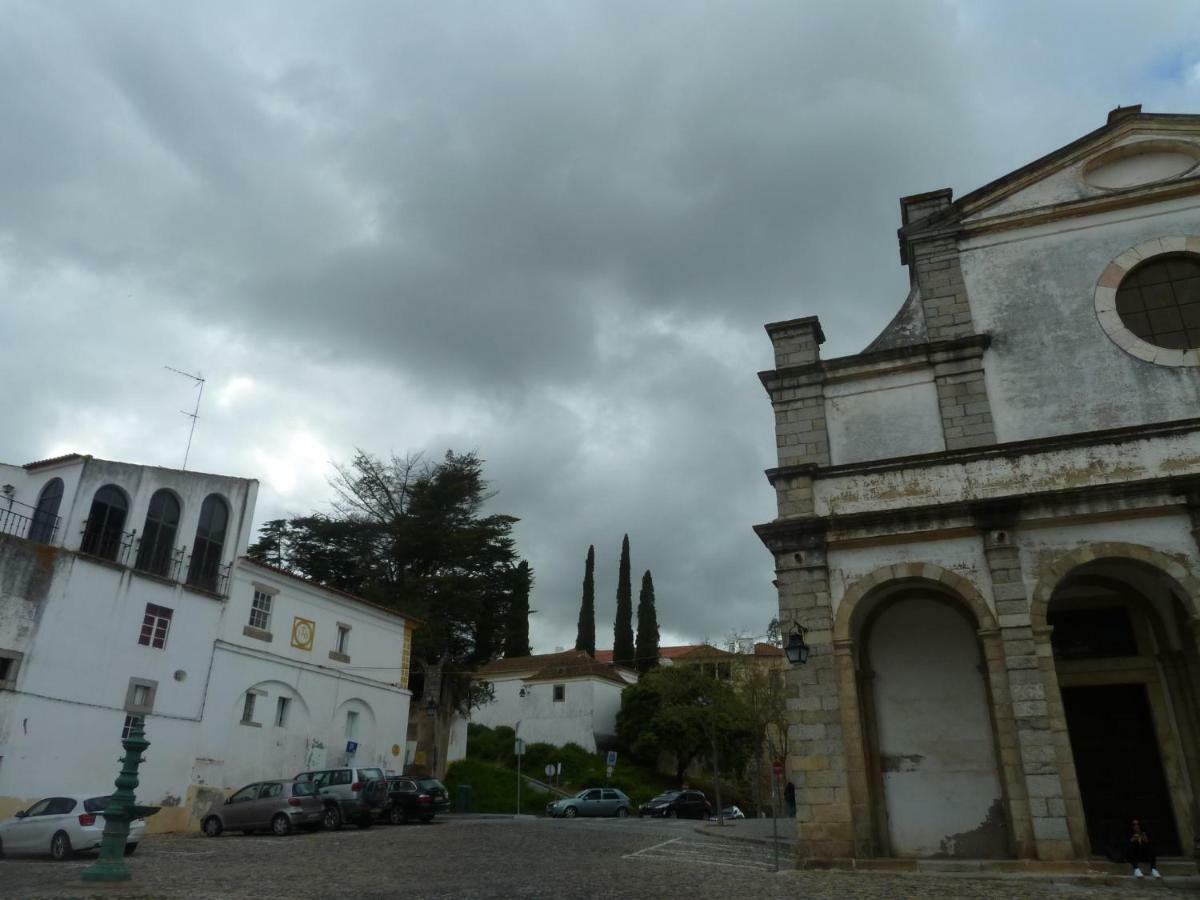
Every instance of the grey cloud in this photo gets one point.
(418, 226)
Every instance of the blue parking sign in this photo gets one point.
(351, 746)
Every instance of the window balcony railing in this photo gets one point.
(105, 542)
(213, 578)
(160, 561)
(25, 521)
(172, 564)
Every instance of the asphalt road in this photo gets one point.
(504, 858)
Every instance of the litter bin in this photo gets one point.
(462, 799)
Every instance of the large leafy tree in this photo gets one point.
(413, 535)
(623, 650)
(585, 635)
(647, 627)
(680, 710)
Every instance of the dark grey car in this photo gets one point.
(280, 806)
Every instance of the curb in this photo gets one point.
(1186, 882)
(722, 835)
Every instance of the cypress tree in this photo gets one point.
(585, 636)
(647, 630)
(516, 627)
(623, 623)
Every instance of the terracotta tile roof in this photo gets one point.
(553, 666)
(53, 461)
(514, 665)
(606, 656)
(761, 649)
(412, 620)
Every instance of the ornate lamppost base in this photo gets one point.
(121, 810)
(106, 871)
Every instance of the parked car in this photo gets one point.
(62, 826)
(438, 794)
(730, 812)
(677, 805)
(280, 806)
(592, 802)
(349, 795)
(408, 801)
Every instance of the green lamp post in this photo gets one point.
(121, 810)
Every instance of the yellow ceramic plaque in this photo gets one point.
(303, 632)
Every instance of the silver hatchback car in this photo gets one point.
(280, 806)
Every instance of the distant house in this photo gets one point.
(557, 698)
(125, 594)
(725, 665)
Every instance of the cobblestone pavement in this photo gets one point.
(467, 859)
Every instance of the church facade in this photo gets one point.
(988, 521)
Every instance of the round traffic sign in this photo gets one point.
(549, 769)
(778, 767)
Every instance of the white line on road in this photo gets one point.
(700, 853)
(655, 847)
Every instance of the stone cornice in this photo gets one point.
(795, 533)
(862, 365)
(1088, 206)
(970, 454)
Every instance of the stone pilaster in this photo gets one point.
(938, 272)
(1008, 746)
(797, 389)
(1051, 790)
(962, 397)
(816, 748)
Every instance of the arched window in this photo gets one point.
(105, 527)
(210, 541)
(158, 537)
(45, 515)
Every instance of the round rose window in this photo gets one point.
(1159, 301)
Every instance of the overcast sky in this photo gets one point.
(547, 232)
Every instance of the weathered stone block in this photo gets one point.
(1051, 828)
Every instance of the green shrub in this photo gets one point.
(493, 788)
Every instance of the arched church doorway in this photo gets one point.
(1126, 667)
(937, 784)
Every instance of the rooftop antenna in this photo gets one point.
(195, 413)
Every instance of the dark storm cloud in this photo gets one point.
(547, 232)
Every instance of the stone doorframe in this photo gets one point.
(869, 832)
(1173, 675)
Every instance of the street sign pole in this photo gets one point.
(518, 748)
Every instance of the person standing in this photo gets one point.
(1140, 850)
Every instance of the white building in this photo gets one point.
(559, 698)
(124, 591)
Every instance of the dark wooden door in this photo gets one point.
(1119, 766)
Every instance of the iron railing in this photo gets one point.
(170, 563)
(28, 522)
(213, 578)
(164, 561)
(106, 542)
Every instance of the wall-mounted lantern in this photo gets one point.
(796, 650)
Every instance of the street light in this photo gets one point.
(431, 710)
(796, 650)
(706, 703)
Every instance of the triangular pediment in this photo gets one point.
(1130, 155)
(1135, 154)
